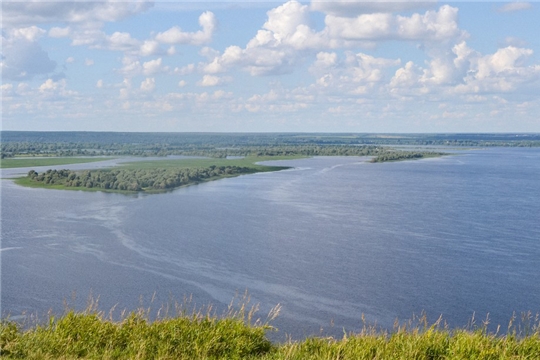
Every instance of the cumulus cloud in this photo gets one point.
(175, 35)
(357, 7)
(21, 13)
(58, 32)
(286, 37)
(356, 75)
(31, 33)
(504, 60)
(131, 66)
(51, 89)
(211, 80)
(515, 6)
(150, 47)
(149, 84)
(432, 26)
(185, 70)
(120, 41)
(153, 67)
(466, 71)
(23, 57)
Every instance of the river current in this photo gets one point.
(330, 240)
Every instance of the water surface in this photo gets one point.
(331, 239)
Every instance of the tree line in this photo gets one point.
(92, 149)
(404, 155)
(134, 180)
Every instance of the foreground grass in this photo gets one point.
(236, 335)
(44, 161)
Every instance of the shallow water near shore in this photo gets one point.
(330, 239)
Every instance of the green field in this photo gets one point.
(45, 161)
(207, 162)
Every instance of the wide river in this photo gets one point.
(330, 239)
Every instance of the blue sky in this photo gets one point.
(352, 66)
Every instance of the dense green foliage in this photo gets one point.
(134, 180)
(19, 143)
(236, 335)
(404, 155)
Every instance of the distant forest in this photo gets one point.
(219, 145)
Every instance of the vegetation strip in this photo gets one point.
(394, 155)
(46, 161)
(236, 335)
(149, 176)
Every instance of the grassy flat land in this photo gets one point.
(204, 163)
(44, 161)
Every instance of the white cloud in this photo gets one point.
(131, 66)
(6, 89)
(20, 13)
(22, 57)
(149, 84)
(99, 84)
(55, 89)
(286, 37)
(211, 80)
(356, 7)
(153, 67)
(31, 33)
(49, 84)
(504, 60)
(465, 71)
(150, 47)
(406, 77)
(122, 41)
(175, 35)
(432, 26)
(208, 52)
(58, 32)
(88, 62)
(185, 70)
(357, 75)
(70, 60)
(271, 96)
(182, 83)
(515, 6)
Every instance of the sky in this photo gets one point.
(319, 66)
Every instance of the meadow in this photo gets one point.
(238, 334)
(46, 161)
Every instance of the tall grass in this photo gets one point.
(238, 334)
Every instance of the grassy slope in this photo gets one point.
(236, 336)
(31, 162)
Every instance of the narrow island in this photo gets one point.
(146, 176)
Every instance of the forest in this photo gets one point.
(220, 145)
(132, 179)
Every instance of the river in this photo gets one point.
(330, 240)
